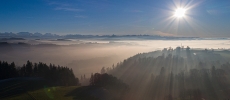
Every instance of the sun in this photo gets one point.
(180, 12)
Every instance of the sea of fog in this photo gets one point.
(89, 56)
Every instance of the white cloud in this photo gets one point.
(63, 6)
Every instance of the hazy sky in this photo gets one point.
(204, 18)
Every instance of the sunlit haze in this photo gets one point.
(114, 49)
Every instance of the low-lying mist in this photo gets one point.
(89, 56)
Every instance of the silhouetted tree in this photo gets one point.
(91, 81)
(102, 70)
(29, 69)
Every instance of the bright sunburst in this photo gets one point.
(180, 12)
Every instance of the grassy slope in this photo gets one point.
(20, 89)
(51, 93)
(27, 89)
(62, 93)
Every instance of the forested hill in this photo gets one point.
(176, 74)
(52, 74)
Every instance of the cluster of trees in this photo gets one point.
(176, 74)
(106, 80)
(7, 70)
(115, 86)
(55, 75)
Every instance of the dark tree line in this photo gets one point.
(8, 70)
(55, 75)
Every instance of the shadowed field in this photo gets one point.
(28, 89)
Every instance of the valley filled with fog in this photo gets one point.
(88, 56)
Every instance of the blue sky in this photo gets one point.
(204, 18)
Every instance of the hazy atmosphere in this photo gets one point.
(89, 56)
(114, 50)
